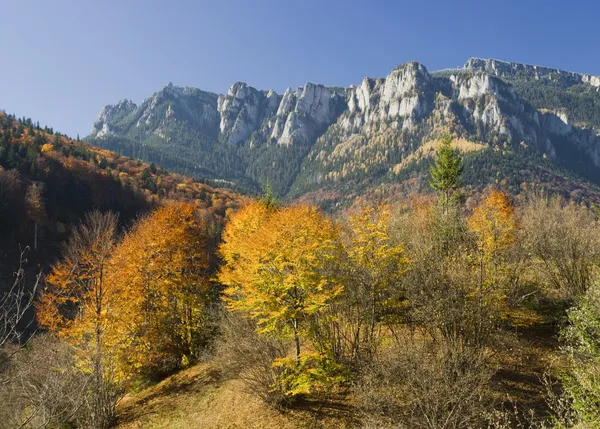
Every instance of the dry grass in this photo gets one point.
(199, 398)
(529, 352)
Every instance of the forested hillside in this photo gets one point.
(49, 181)
(439, 311)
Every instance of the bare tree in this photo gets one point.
(80, 292)
(243, 355)
(14, 306)
(564, 240)
(43, 388)
(425, 385)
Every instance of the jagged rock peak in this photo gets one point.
(477, 84)
(180, 91)
(507, 69)
(406, 78)
(402, 95)
(110, 112)
(303, 113)
(126, 105)
(241, 111)
(122, 106)
(412, 66)
(315, 101)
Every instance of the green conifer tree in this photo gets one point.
(268, 199)
(446, 172)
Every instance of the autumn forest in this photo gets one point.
(420, 313)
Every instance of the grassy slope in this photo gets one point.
(199, 398)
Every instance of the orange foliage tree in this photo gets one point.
(82, 305)
(277, 273)
(163, 264)
(493, 223)
(137, 305)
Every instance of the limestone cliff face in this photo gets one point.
(402, 98)
(302, 114)
(412, 100)
(482, 95)
(295, 117)
(158, 112)
(242, 110)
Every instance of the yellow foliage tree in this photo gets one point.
(275, 264)
(376, 262)
(493, 225)
(370, 268)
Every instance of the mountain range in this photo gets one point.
(517, 124)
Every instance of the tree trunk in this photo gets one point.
(480, 301)
(296, 340)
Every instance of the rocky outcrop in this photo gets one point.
(401, 101)
(158, 112)
(242, 110)
(294, 118)
(482, 96)
(111, 115)
(303, 113)
(403, 97)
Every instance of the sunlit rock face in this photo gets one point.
(402, 97)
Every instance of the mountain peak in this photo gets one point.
(411, 65)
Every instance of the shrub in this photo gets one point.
(582, 347)
(426, 385)
(43, 388)
(240, 353)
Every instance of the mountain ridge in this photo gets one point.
(594, 80)
(319, 137)
(492, 65)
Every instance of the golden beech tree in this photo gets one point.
(275, 262)
(82, 306)
(493, 222)
(493, 225)
(163, 264)
(376, 262)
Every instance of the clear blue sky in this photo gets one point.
(63, 60)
